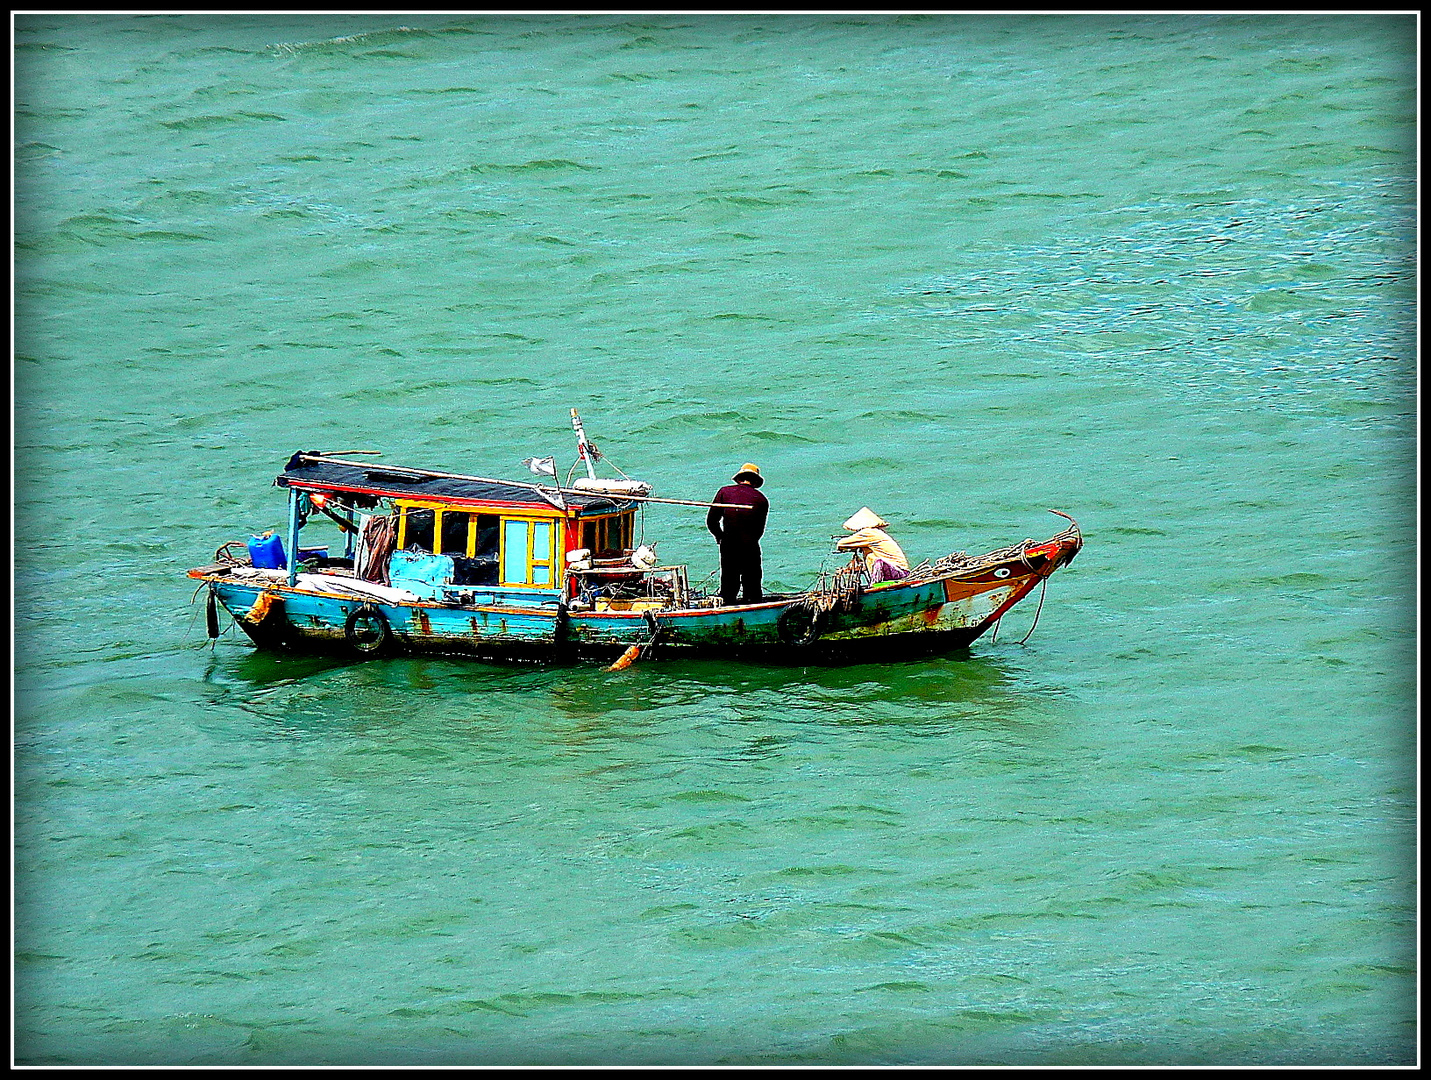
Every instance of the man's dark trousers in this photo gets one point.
(739, 570)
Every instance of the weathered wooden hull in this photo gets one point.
(915, 616)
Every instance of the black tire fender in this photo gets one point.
(376, 638)
(800, 626)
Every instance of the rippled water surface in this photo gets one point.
(1156, 272)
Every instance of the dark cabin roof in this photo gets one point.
(313, 474)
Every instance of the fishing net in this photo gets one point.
(833, 590)
(959, 562)
(840, 589)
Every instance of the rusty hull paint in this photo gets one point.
(318, 620)
(972, 611)
(907, 617)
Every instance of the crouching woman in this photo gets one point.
(883, 558)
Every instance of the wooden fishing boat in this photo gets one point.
(443, 563)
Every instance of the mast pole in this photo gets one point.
(581, 445)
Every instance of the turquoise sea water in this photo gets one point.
(1156, 272)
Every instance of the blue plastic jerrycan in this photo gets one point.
(266, 552)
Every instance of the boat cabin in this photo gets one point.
(455, 538)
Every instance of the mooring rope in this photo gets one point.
(1036, 610)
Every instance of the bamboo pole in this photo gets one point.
(673, 502)
(523, 484)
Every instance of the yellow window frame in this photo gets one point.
(550, 563)
(622, 524)
(470, 544)
(403, 507)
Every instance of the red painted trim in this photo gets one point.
(1014, 598)
(387, 493)
(1019, 594)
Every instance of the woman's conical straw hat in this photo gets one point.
(865, 519)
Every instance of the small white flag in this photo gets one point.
(542, 466)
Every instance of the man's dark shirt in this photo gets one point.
(742, 526)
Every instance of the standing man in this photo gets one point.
(738, 533)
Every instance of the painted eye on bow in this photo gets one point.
(1002, 571)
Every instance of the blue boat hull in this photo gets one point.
(903, 618)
